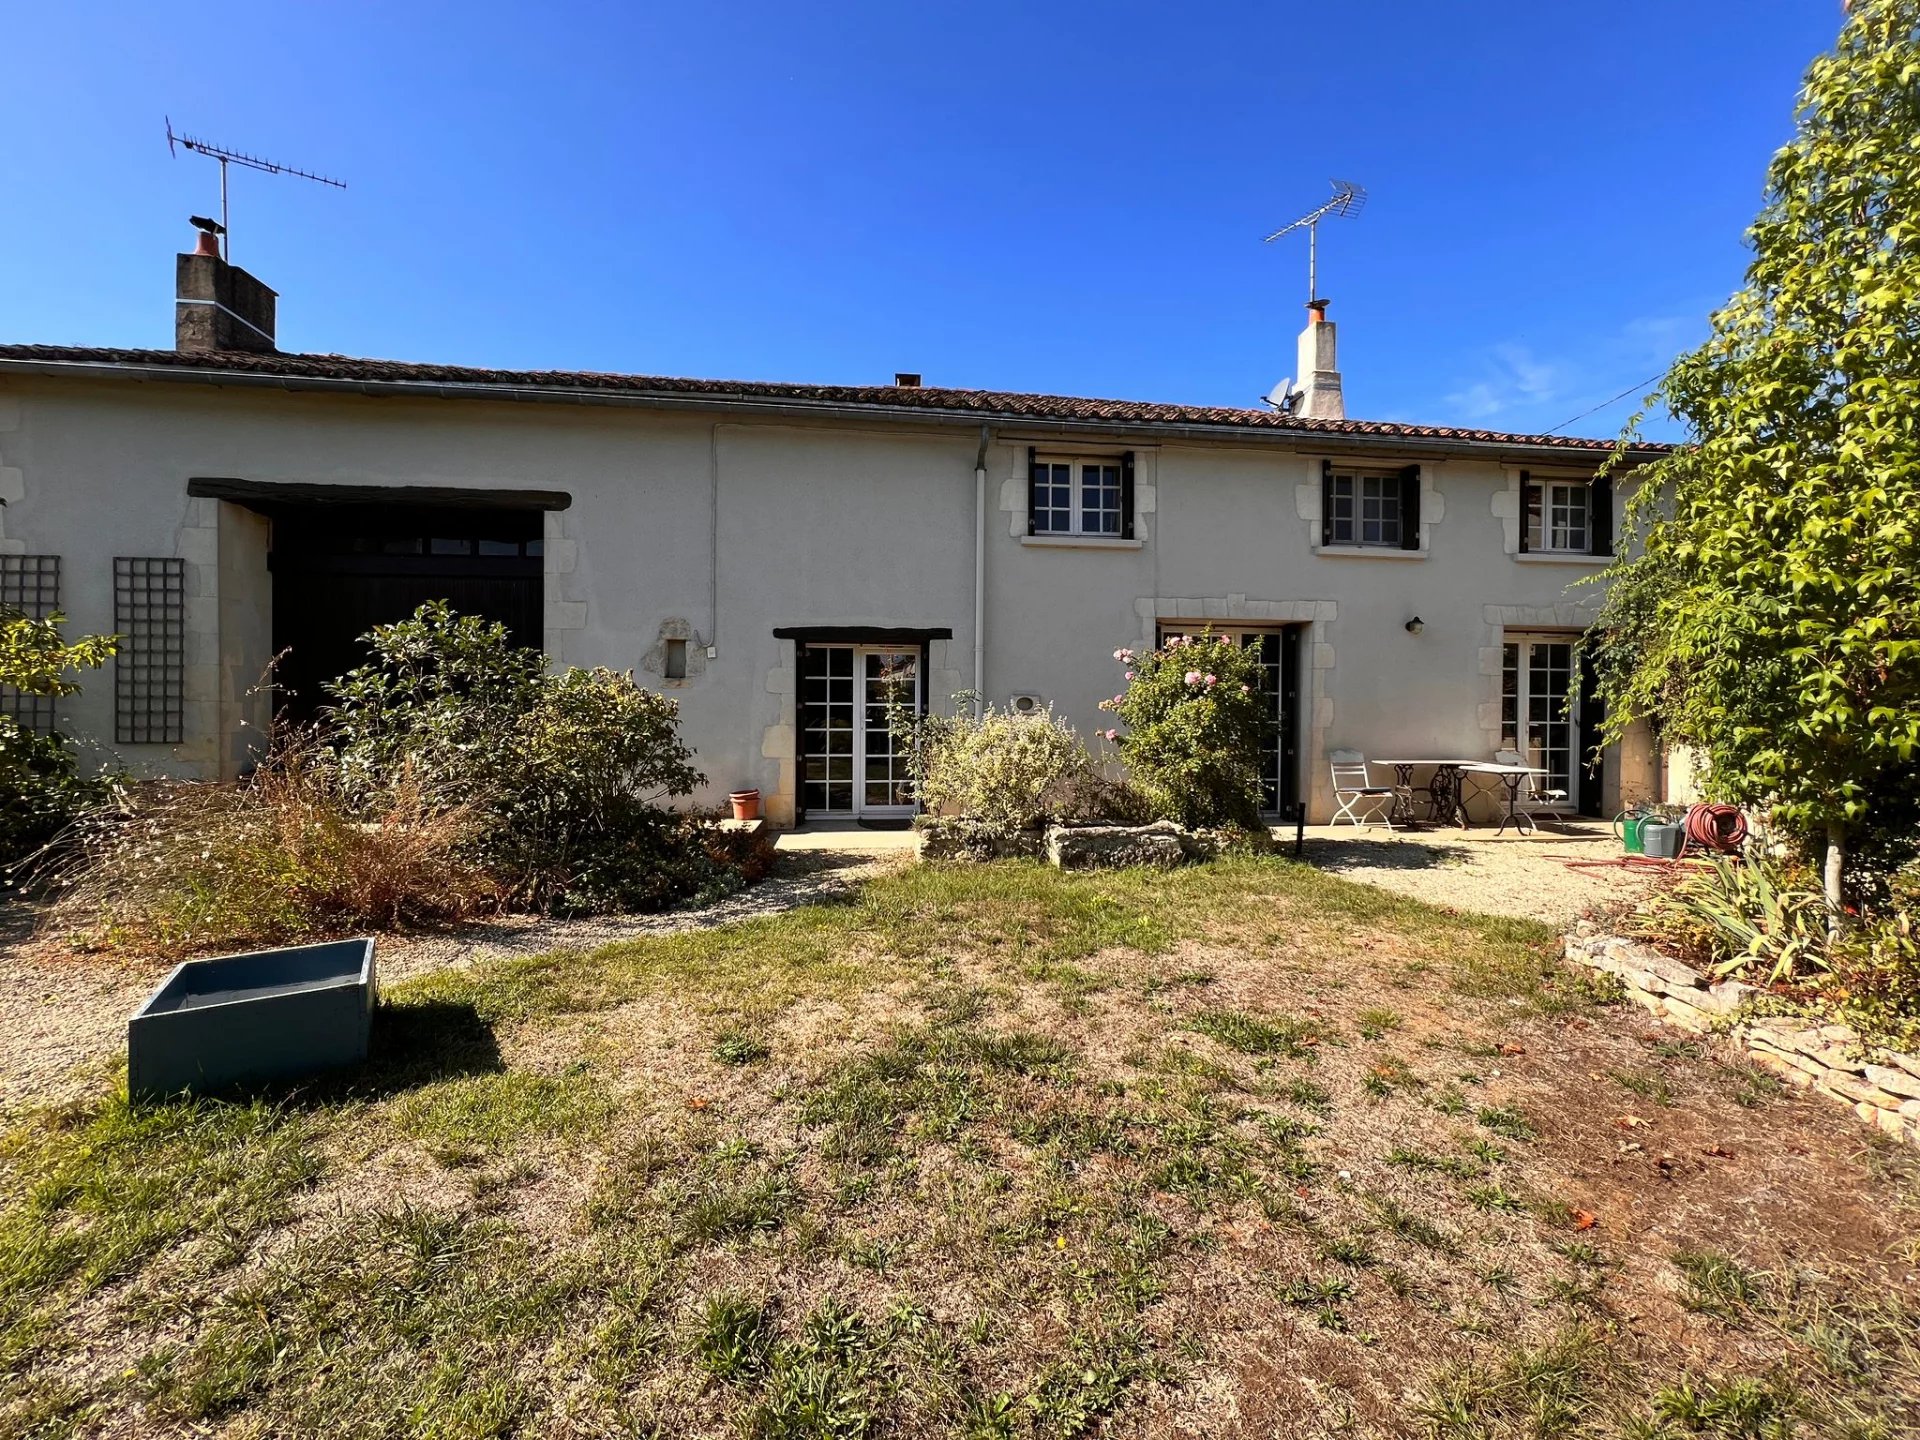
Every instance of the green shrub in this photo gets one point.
(1764, 920)
(563, 774)
(439, 696)
(452, 775)
(43, 783)
(1754, 917)
(1875, 963)
(1002, 769)
(42, 788)
(1194, 721)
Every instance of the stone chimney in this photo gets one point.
(218, 306)
(1316, 371)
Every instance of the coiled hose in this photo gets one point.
(1719, 828)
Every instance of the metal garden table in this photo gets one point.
(1512, 777)
(1444, 800)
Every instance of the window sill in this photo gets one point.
(1080, 542)
(1368, 552)
(1551, 557)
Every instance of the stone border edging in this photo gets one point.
(1882, 1086)
(1081, 846)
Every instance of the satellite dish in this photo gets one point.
(1282, 396)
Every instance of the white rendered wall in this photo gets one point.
(812, 524)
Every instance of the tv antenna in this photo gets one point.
(1348, 200)
(234, 157)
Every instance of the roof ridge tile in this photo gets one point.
(1001, 404)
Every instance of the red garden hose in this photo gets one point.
(1719, 828)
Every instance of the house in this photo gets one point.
(783, 557)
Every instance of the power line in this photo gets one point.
(1603, 404)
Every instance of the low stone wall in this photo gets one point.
(945, 838)
(1882, 1086)
(1081, 847)
(1115, 847)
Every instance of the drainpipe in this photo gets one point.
(713, 542)
(980, 574)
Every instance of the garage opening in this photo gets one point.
(339, 570)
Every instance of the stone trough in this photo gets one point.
(242, 1019)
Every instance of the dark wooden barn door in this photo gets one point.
(338, 572)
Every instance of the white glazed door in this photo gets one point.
(888, 679)
(1537, 677)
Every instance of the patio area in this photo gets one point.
(1526, 876)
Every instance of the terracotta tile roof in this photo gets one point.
(559, 384)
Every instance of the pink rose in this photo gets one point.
(1246, 689)
(1193, 677)
(1129, 674)
(1213, 679)
(1113, 734)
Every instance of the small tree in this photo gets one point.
(1769, 614)
(41, 784)
(1195, 720)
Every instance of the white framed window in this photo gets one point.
(1560, 517)
(1367, 510)
(1079, 495)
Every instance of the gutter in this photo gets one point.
(1314, 441)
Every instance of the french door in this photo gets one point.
(1279, 654)
(1535, 718)
(852, 760)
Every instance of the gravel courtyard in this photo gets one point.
(1526, 876)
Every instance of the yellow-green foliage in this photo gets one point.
(1002, 769)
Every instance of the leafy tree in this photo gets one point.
(42, 786)
(1769, 613)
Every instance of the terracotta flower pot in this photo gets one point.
(746, 804)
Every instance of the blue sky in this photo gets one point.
(1060, 197)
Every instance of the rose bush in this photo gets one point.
(1194, 719)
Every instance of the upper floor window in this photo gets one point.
(1374, 510)
(1566, 517)
(1366, 510)
(1080, 495)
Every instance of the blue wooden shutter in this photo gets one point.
(1410, 508)
(1526, 506)
(1126, 496)
(1326, 502)
(1033, 489)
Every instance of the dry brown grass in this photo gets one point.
(185, 867)
(1235, 1152)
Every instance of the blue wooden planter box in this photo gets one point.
(241, 1019)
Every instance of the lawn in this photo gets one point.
(1241, 1150)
